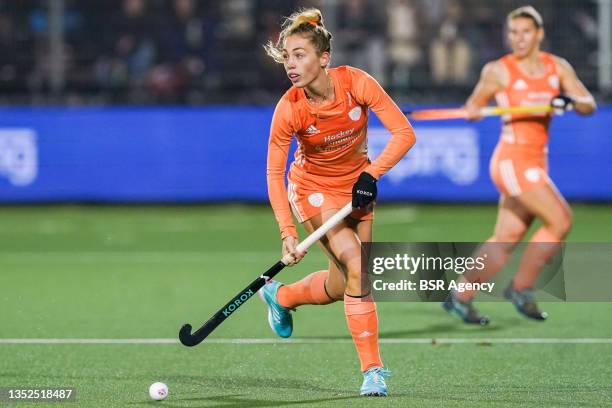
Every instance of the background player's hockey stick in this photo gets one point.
(189, 339)
(461, 113)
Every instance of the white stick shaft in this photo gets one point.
(322, 230)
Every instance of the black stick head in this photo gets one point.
(185, 336)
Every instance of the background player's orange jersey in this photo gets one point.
(519, 163)
(332, 139)
(528, 131)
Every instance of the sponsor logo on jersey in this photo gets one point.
(545, 95)
(520, 85)
(312, 130)
(337, 141)
(553, 81)
(355, 113)
(316, 199)
(532, 174)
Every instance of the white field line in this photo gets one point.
(431, 341)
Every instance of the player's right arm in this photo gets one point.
(281, 134)
(488, 85)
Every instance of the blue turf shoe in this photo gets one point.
(279, 317)
(374, 384)
(465, 310)
(525, 303)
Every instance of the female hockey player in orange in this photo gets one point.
(518, 167)
(326, 110)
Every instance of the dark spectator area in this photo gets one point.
(201, 51)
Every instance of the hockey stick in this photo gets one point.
(461, 113)
(189, 339)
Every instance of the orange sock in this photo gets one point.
(363, 324)
(542, 246)
(308, 291)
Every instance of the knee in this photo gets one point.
(561, 225)
(347, 261)
(350, 264)
(497, 252)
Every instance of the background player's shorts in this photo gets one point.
(306, 203)
(515, 172)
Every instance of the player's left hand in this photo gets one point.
(473, 112)
(364, 191)
(290, 252)
(562, 103)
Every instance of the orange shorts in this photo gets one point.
(306, 203)
(515, 171)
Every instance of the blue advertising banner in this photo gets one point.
(218, 154)
(450, 161)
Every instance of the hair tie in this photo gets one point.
(313, 22)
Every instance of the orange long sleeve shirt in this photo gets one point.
(332, 139)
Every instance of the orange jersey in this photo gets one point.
(332, 139)
(519, 163)
(529, 131)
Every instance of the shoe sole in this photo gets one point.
(484, 321)
(374, 394)
(538, 318)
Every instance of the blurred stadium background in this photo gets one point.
(199, 51)
(169, 102)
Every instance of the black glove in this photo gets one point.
(364, 190)
(562, 102)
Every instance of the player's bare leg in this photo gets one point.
(343, 247)
(547, 204)
(311, 290)
(513, 221)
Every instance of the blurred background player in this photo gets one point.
(519, 166)
(327, 110)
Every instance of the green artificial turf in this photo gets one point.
(71, 272)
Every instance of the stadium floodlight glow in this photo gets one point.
(190, 339)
